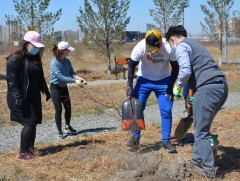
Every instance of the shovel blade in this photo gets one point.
(182, 127)
(132, 115)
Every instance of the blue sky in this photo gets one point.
(138, 11)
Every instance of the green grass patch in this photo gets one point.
(99, 110)
(40, 143)
(13, 123)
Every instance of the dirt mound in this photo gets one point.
(152, 167)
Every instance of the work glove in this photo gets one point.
(19, 103)
(176, 91)
(169, 91)
(189, 102)
(48, 96)
(190, 99)
(129, 92)
(81, 82)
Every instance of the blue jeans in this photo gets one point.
(185, 91)
(207, 102)
(143, 89)
(185, 94)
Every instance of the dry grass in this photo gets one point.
(96, 157)
(85, 61)
(83, 100)
(233, 50)
(99, 156)
(76, 159)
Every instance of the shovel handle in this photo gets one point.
(190, 93)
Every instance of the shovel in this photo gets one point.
(185, 123)
(132, 115)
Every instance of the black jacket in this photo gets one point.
(17, 77)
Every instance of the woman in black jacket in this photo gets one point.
(25, 80)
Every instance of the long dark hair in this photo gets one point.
(22, 50)
(57, 53)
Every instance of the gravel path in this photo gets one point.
(47, 132)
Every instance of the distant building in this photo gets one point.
(80, 35)
(1, 34)
(70, 36)
(58, 36)
(131, 36)
(11, 29)
(10, 33)
(149, 26)
(234, 27)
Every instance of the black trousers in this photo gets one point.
(60, 95)
(28, 136)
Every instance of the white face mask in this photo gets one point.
(174, 46)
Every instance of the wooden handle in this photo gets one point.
(190, 93)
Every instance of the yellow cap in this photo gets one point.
(153, 40)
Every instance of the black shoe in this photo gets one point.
(133, 142)
(61, 135)
(69, 130)
(169, 147)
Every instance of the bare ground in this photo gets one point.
(105, 157)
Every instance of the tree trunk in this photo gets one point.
(226, 51)
(109, 66)
(108, 53)
(32, 17)
(220, 56)
(108, 57)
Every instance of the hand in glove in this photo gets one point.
(48, 96)
(169, 91)
(189, 104)
(80, 82)
(190, 99)
(19, 103)
(176, 91)
(129, 92)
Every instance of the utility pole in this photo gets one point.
(225, 33)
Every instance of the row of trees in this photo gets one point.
(103, 21)
(217, 14)
(104, 27)
(32, 15)
(168, 13)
